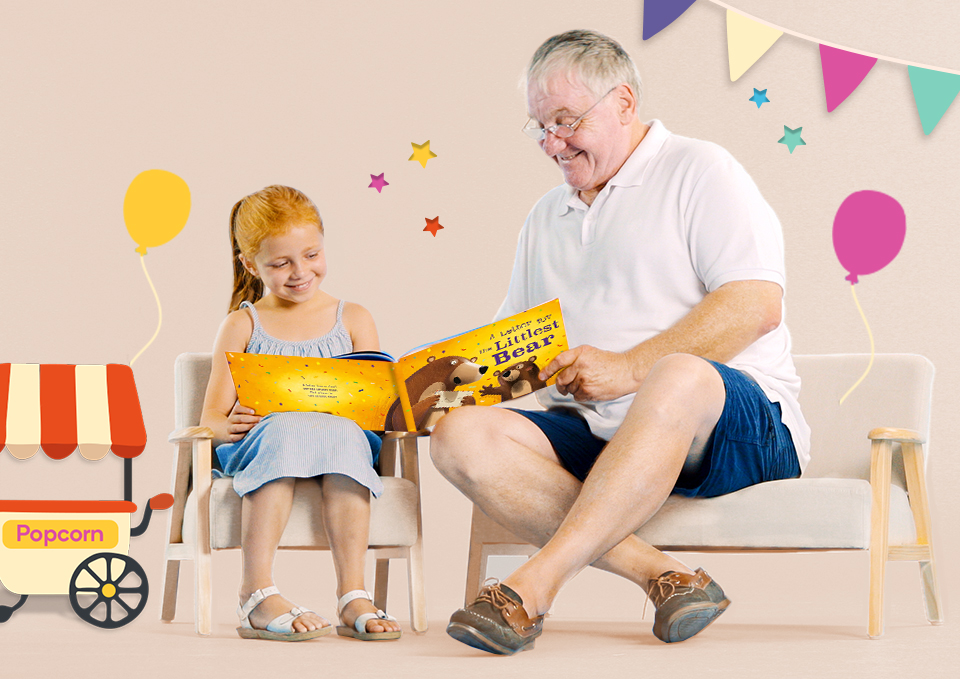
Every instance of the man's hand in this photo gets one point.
(240, 420)
(591, 374)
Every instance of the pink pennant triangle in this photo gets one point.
(842, 73)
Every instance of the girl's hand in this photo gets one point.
(240, 420)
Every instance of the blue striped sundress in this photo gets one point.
(301, 445)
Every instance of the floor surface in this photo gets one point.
(46, 639)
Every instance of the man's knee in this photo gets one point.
(684, 373)
(449, 441)
(684, 381)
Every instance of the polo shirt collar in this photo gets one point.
(632, 170)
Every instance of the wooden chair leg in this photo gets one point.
(913, 467)
(175, 550)
(488, 538)
(380, 581)
(171, 582)
(418, 598)
(881, 454)
(203, 592)
(476, 563)
(410, 466)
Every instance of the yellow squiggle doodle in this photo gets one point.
(853, 289)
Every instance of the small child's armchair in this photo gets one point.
(206, 511)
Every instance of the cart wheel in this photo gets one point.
(114, 580)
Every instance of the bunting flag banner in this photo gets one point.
(747, 41)
(933, 91)
(842, 73)
(658, 14)
(749, 38)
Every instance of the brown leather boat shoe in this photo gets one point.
(685, 604)
(496, 622)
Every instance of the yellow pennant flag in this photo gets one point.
(747, 41)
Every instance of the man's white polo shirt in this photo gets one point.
(680, 218)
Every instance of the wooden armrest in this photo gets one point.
(900, 435)
(407, 447)
(405, 434)
(190, 434)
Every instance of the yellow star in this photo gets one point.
(422, 153)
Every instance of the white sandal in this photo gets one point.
(359, 629)
(281, 627)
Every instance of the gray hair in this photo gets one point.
(600, 62)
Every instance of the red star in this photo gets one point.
(433, 225)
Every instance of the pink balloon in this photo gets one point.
(868, 232)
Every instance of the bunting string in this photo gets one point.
(829, 44)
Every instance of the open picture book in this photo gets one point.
(489, 365)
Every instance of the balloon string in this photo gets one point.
(143, 263)
(853, 289)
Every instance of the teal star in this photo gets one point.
(792, 138)
(759, 97)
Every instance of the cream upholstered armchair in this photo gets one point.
(853, 495)
(206, 513)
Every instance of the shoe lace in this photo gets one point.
(662, 589)
(493, 595)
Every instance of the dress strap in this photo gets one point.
(340, 311)
(253, 312)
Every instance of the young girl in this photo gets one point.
(279, 308)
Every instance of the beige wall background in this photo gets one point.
(233, 96)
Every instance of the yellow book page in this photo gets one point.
(361, 390)
(486, 366)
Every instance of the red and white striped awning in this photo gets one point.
(61, 408)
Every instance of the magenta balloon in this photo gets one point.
(868, 232)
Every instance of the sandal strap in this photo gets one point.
(244, 610)
(360, 624)
(350, 596)
(283, 624)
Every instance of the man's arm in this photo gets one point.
(722, 325)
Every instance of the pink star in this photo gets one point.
(378, 182)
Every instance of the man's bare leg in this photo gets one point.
(505, 464)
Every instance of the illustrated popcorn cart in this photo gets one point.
(74, 547)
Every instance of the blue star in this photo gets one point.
(759, 97)
(792, 138)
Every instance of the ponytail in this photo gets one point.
(246, 287)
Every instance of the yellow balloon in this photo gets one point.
(155, 208)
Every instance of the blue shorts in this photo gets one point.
(749, 445)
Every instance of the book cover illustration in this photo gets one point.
(486, 366)
(362, 390)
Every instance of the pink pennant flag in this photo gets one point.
(842, 73)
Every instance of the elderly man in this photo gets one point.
(668, 265)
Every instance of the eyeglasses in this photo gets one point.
(533, 129)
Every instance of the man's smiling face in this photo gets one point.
(600, 144)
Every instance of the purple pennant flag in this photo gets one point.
(842, 73)
(658, 14)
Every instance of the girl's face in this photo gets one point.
(291, 265)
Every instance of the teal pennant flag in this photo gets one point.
(933, 91)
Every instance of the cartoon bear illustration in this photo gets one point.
(516, 380)
(438, 375)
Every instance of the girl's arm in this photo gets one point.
(363, 331)
(228, 420)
